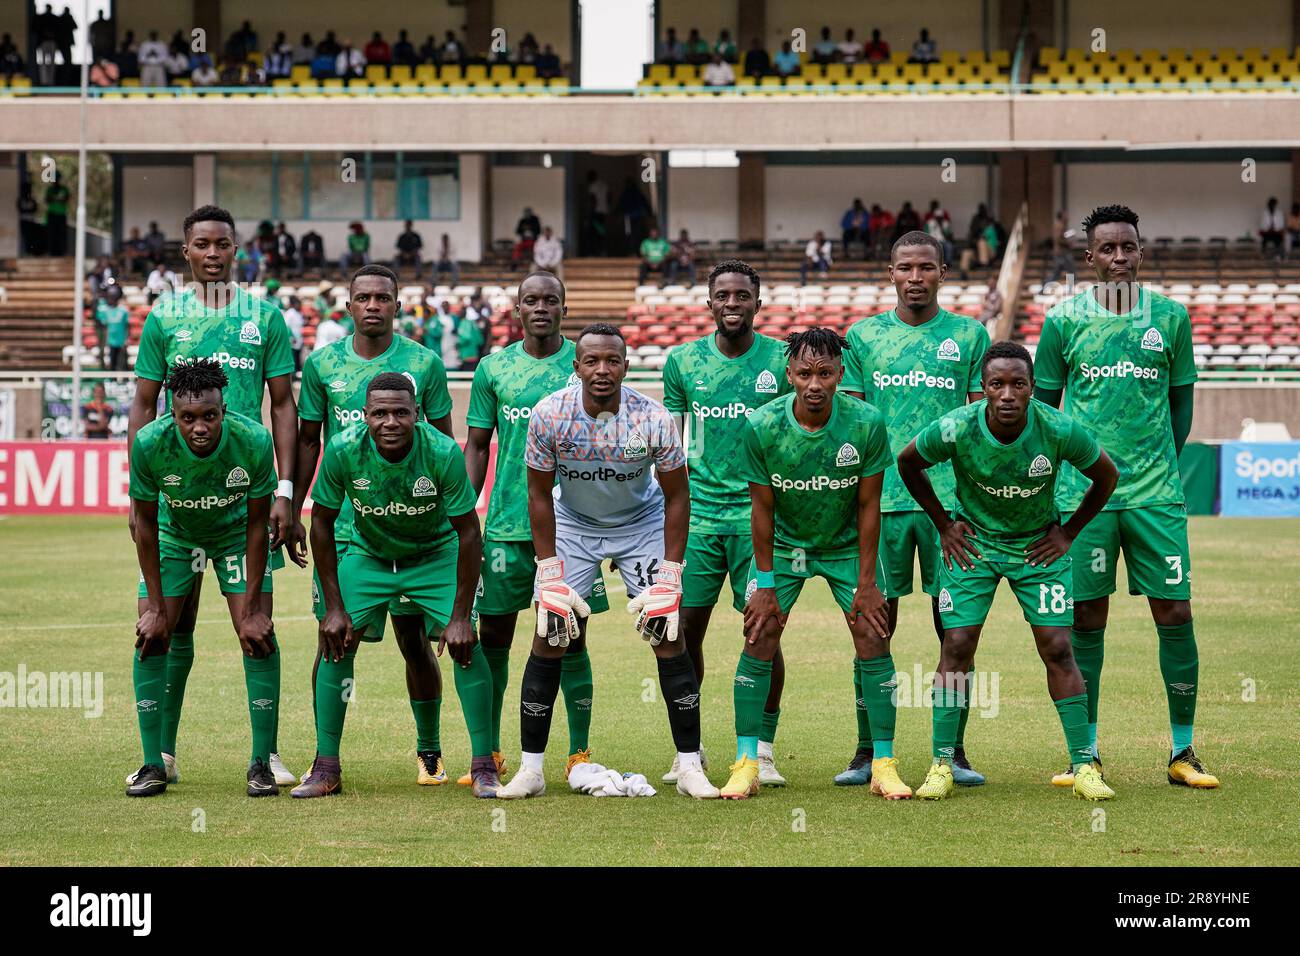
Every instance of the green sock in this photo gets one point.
(749, 694)
(965, 710)
(334, 684)
(1074, 721)
(770, 719)
(860, 709)
(474, 688)
(180, 658)
(262, 679)
(577, 687)
(498, 659)
(945, 718)
(150, 679)
(878, 685)
(1179, 668)
(428, 724)
(1089, 651)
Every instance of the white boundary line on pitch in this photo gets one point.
(87, 627)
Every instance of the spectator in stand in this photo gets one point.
(451, 51)
(671, 49)
(234, 72)
(719, 73)
(480, 311)
(529, 226)
(305, 51)
(31, 232)
(358, 251)
(101, 37)
(178, 59)
(329, 331)
(985, 244)
(1272, 225)
(323, 67)
(155, 242)
(1293, 228)
(113, 324)
(286, 250)
(528, 49)
(409, 244)
(681, 266)
(816, 257)
(377, 50)
(104, 73)
(312, 250)
(469, 341)
(757, 62)
(44, 27)
(205, 75)
(787, 61)
(548, 63)
(350, 63)
(429, 50)
(824, 50)
(850, 50)
(102, 276)
(446, 262)
(447, 328)
(882, 230)
(161, 281)
(97, 413)
(697, 48)
(938, 224)
(243, 41)
(991, 307)
(294, 320)
(135, 253)
(548, 253)
(65, 32)
(655, 251)
(278, 62)
(855, 226)
(153, 61)
(11, 61)
(404, 51)
(924, 50)
(128, 58)
(1061, 248)
(328, 46)
(56, 216)
(877, 51)
(907, 221)
(725, 47)
(266, 250)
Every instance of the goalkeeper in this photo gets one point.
(600, 442)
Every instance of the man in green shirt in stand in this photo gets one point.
(654, 255)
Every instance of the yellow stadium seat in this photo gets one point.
(1175, 53)
(889, 74)
(332, 86)
(989, 71)
(426, 73)
(501, 73)
(660, 72)
(746, 83)
(1202, 53)
(359, 87)
(858, 73)
(976, 57)
(768, 82)
(300, 72)
(307, 86)
(950, 57)
(400, 75)
(813, 71)
(525, 72)
(1041, 83)
(282, 84)
(1226, 54)
(687, 73)
(476, 73)
(1059, 69)
(254, 58)
(376, 73)
(450, 74)
(1150, 55)
(1252, 53)
(1001, 58)
(1075, 55)
(1126, 55)
(20, 85)
(1287, 69)
(937, 72)
(1278, 53)
(1048, 54)
(962, 73)
(796, 84)
(130, 81)
(1161, 69)
(1186, 69)
(913, 72)
(558, 84)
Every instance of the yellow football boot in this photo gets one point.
(743, 782)
(1088, 784)
(1066, 777)
(1185, 770)
(429, 769)
(938, 783)
(885, 781)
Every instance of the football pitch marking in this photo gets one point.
(125, 624)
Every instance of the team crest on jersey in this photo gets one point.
(423, 488)
(945, 600)
(250, 334)
(236, 478)
(766, 382)
(635, 448)
(573, 380)
(184, 335)
(750, 588)
(338, 386)
(411, 378)
(171, 481)
(1040, 467)
(847, 455)
(1153, 341)
(478, 591)
(949, 351)
(361, 484)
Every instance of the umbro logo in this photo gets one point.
(171, 481)
(689, 701)
(184, 335)
(949, 351)
(263, 703)
(892, 682)
(423, 488)
(1181, 688)
(339, 385)
(862, 704)
(847, 455)
(635, 448)
(533, 709)
(766, 382)
(1040, 467)
(146, 705)
(568, 446)
(250, 334)
(237, 478)
(945, 600)
(583, 704)
(361, 483)
(946, 751)
(1153, 341)
(598, 589)
(744, 681)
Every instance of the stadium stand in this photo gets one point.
(1176, 69)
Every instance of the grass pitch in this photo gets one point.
(67, 602)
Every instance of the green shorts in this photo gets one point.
(902, 534)
(182, 566)
(509, 571)
(370, 587)
(398, 607)
(1156, 556)
(1045, 594)
(709, 559)
(840, 573)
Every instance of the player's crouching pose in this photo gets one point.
(1006, 452)
(414, 533)
(603, 441)
(202, 481)
(815, 462)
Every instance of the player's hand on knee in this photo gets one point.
(761, 608)
(558, 605)
(870, 604)
(459, 639)
(658, 607)
(256, 634)
(336, 635)
(152, 635)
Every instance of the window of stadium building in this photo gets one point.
(339, 186)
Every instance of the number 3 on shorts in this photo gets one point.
(1057, 592)
(1175, 562)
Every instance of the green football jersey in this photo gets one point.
(116, 320)
(400, 509)
(814, 476)
(507, 385)
(248, 337)
(203, 502)
(1117, 371)
(1005, 492)
(914, 374)
(717, 395)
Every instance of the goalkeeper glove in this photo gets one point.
(657, 606)
(558, 605)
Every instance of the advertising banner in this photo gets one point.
(1260, 480)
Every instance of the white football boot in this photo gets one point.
(283, 775)
(525, 783)
(676, 770)
(768, 775)
(691, 782)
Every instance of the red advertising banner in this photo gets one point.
(90, 477)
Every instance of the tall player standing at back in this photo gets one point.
(1123, 356)
(712, 385)
(914, 363)
(507, 385)
(333, 397)
(247, 336)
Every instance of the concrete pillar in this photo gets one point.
(751, 191)
(1026, 177)
(751, 21)
(478, 26)
(1295, 176)
(205, 179)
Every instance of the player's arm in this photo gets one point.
(952, 534)
(541, 511)
(762, 605)
(336, 627)
(677, 512)
(1049, 364)
(1180, 414)
(1058, 538)
(867, 599)
(256, 635)
(284, 433)
(152, 633)
(481, 420)
(304, 467)
(144, 409)
(1182, 378)
(458, 637)
(853, 381)
(477, 448)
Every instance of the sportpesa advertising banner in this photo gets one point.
(1260, 480)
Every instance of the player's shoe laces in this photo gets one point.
(429, 771)
(692, 782)
(169, 763)
(284, 777)
(1088, 784)
(261, 780)
(582, 756)
(324, 779)
(1185, 770)
(768, 775)
(938, 783)
(500, 758)
(963, 774)
(885, 781)
(525, 783)
(1066, 777)
(858, 773)
(743, 782)
(147, 781)
(676, 770)
(483, 770)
